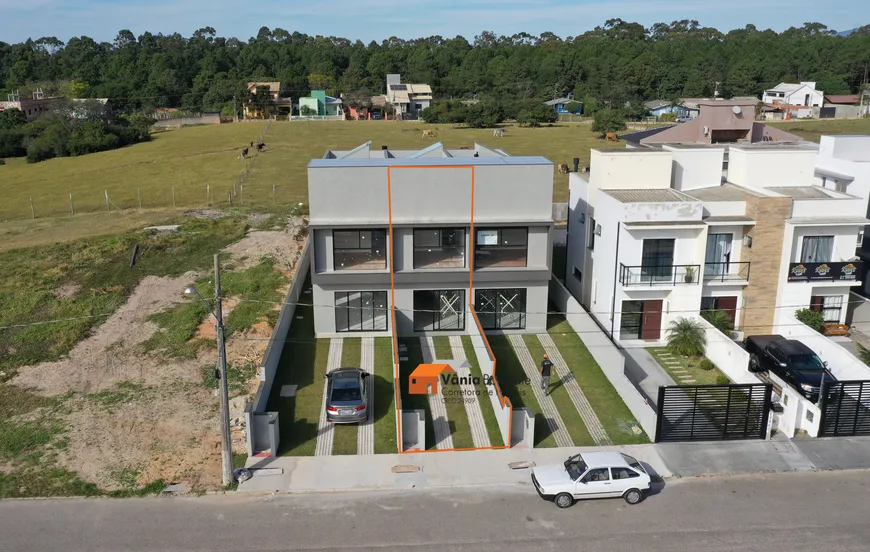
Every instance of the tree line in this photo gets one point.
(608, 66)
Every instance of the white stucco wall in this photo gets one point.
(630, 169)
(765, 168)
(696, 168)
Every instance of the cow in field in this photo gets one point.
(611, 137)
(429, 134)
(498, 133)
(563, 168)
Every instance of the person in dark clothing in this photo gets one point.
(546, 370)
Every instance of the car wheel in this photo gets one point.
(564, 500)
(753, 363)
(633, 496)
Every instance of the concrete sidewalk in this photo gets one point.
(645, 373)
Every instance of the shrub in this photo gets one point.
(2, 161)
(719, 319)
(608, 120)
(534, 115)
(12, 143)
(668, 117)
(686, 337)
(722, 379)
(811, 318)
(706, 364)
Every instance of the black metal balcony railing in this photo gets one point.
(825, 272)
(664, 275)
(725, 272)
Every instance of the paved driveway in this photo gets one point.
(645, 373)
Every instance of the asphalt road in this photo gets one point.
(789, 512)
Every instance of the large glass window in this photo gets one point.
(439, 310)
(817, 249)
(501, 247)
(718, 254)
(657, 260)
(439, 248)
(630, 319)
(360, 311)
(501, 309)
(359, 249)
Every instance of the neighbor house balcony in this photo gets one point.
(726, 273)
(845, 272)
(659, 275)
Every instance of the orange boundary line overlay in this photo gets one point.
(504, 401)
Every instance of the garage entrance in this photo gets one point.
(713, 412)
(845, 409)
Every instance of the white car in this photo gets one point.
(592, 475)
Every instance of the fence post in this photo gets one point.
(273, 193)
(241, 194)
(32, 212)
(72, 209)
(107, 199)
(207, 194)
(230, 194)
(173, 197)
(139, 195)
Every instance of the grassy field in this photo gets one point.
(191, 158)
(812, 129)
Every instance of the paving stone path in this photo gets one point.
(365, 442)
(325, 432)
(443, 438)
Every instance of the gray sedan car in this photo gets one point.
(346, 396)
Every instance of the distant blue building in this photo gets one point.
(559, 105)
(661, 107)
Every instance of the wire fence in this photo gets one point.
(243, 190)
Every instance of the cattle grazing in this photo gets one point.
(244, 154)
(611, 137)
(563, 168)
(429, 133)
(498, 133)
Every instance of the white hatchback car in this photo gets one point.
(592, 475)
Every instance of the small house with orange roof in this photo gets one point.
(424, 378)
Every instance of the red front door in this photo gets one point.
(729, 305)
(651, 322)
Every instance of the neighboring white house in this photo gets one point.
(803, 94)
(655, 234)
(408, 99)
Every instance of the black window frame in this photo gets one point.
(590, 243)
(336, 251)
(339, 310)
(497, 315)
(440, 231)
(500, 247)
(437, 318)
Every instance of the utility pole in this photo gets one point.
(235, 110)
(226, 440)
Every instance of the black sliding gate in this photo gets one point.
(713, 412)
(845, 409)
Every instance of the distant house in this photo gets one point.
(843, 106)
(284, 105)
(321, 106)
(661, 107)
(559, 104)
(407, 99)
(79, 113)
(32, 108)
(802, 94)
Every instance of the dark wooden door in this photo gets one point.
(651, 324)
(729, 305)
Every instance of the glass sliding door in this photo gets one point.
(657, 260)
(360, 311)
(718, 254)
(501, 309)
(630, 318)
(439, 310)
(817, 249)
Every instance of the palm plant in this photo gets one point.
(719, 319)
(686, 337)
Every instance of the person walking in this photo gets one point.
(546, 371)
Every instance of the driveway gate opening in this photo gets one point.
(845, 409)
(713, 412)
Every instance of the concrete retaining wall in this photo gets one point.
(605, 353)
(843, 364)
(731, 359)
(523, 428)
(488, 368)
(276, 344)
(403, 440)
(560, 212)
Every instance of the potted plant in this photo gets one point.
(690, 274)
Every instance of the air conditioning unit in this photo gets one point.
(597, 229)
(706, 131)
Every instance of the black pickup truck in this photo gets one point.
(791, 360)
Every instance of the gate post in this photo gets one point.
(768, 404)
(659, 405)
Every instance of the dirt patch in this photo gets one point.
(110, 355)
(282, 245)
(206, 330)
(205, 214)
(66, 290)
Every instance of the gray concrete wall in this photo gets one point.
(413, 430)
(523, 428)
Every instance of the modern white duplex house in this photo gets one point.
(429, 231)
(801, 93)
(659, 233)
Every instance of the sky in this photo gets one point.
(380, 19)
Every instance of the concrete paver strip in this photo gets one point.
(443, 438)
(472, 408)
(554, 420)
(581, 403)
(325, 432)
(365, 443)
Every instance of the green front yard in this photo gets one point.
(688, 370)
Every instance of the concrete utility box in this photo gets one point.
(263, 433)
(523, 429)
(413, 430)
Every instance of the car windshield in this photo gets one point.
(346, 395)
(634, 463)
(575, 466)
(806, 363)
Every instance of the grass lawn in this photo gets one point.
(573, 422)
(193, 157)
(813, 129)
(385, 402)
(614, 415)
(692, 366)
(345, 435)
(513, 381)
(457, 417)
(485, 402)
(415, 402)
(303, 363)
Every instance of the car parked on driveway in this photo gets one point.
(592, 475)
(791, 360)
(346, 396)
